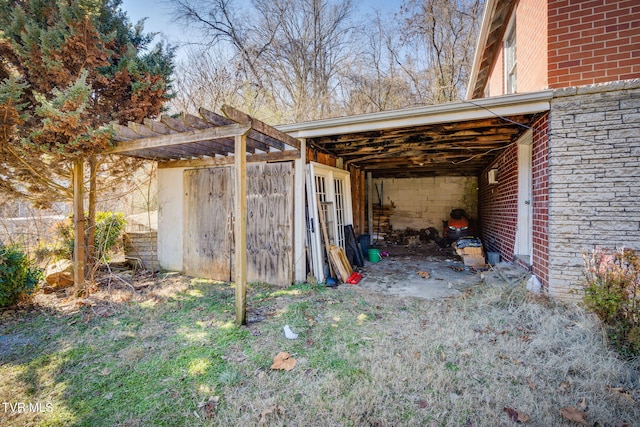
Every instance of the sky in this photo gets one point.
(158, 14)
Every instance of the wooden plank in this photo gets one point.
(339, 259)
(208, 198)
(261, 127)
(78, 225)
(270, 223)
(178, 138)
(158, 127)
(123, 133)
(225, 161)
(141, 130)
(325, 237)
(240, 243)
(299, 246)
(176, 124)
(254, 139)
(214, 118)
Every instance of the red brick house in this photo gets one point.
(580, 161)
(544, 152)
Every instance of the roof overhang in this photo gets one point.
(457, 138)
(494, 22)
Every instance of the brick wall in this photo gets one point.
(426, 202)
(593, 41)
(498, 205)
(594, 176)
(495, 82)
(531, 40)
(540, 193)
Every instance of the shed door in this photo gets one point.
(208, 232)
(208, 206)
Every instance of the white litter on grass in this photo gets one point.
(288, 333)
(533, 284)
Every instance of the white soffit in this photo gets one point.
(460, 111)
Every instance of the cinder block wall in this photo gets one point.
(426, 202)
(594, 176)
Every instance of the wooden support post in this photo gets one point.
(240, 230)
(78, 223)
(370, 206)
(300, 223)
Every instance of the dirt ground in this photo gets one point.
(430, 272)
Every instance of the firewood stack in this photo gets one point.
(381, 225)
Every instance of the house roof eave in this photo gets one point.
(460, 111)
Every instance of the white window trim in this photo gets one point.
(315, 242)
(510, 42)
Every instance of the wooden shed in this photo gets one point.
(224, 183)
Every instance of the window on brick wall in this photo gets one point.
(510, 62)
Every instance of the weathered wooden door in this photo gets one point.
(270, 223)
(208, 232)
(208, 206)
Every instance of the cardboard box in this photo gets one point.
(470, 252)
(471, 256)
(473, 261)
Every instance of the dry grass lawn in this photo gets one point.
(169, 354)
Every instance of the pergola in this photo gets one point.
(204, 141)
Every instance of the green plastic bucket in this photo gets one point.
(374, 255)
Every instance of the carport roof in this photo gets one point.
(452, 139)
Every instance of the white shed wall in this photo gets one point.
(170, 218)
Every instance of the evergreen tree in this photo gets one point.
(69, 68)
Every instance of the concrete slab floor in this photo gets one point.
(397, 274)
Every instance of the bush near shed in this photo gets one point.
(18, 275)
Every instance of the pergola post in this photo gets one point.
(78, 225)
(240, 228)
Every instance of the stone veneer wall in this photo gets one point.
(594, 176)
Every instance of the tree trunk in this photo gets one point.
(78, 222)
(91, 217)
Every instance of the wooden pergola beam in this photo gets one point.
(178, 138)
(261, 127)
(224, 161)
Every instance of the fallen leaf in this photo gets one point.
(583, 404)
(422, 404)
(424, 274)
(104, 372)
(564, 387)
(510, 359)
(532, 385)
(574, 414)
(283, 360)
(516, 416)
(275, 409)
(209, 407)
(622, 393)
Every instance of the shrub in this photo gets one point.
(18, 276)
(109, 227)
(612, 291)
